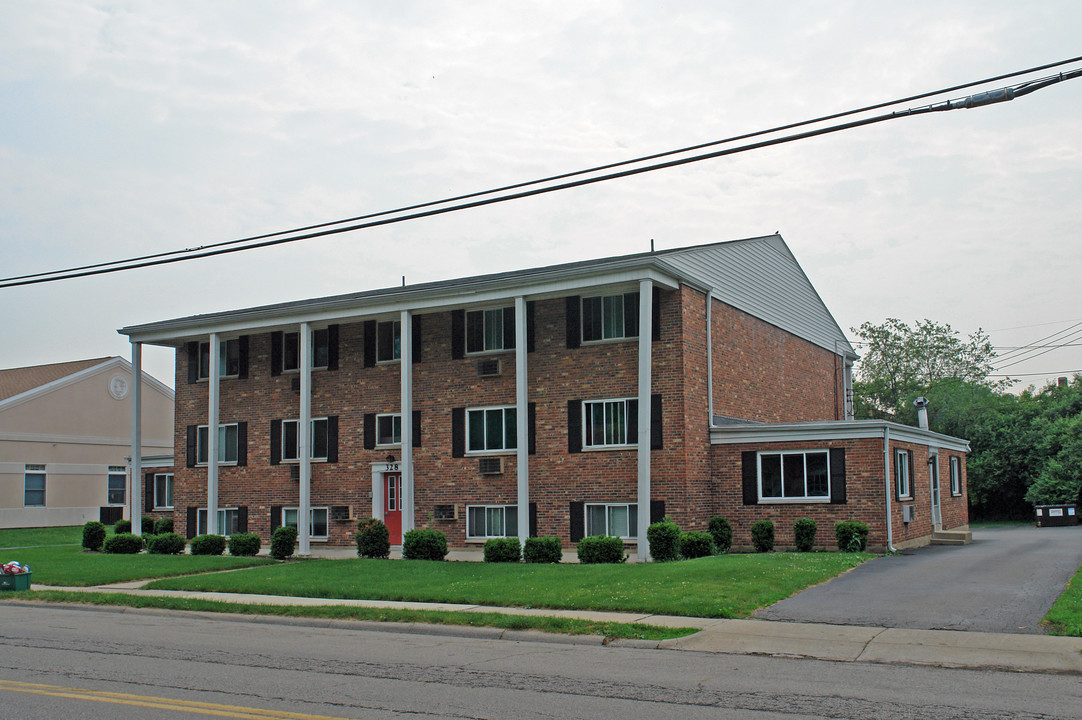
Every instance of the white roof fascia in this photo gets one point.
(832, 430)
(118, 363)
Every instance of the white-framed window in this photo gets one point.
(228, 521)
(228, 443)
(491, 429)
(485, 330)
(291, 350)
(388, 430)
(610, 317)
(800, 475)
(902, 481)
(34, 486)
(388, 341)
(117, 484)
(605, 422)
(317, 520)
(163, 491)
(617, 519)
(485, 521)
(317, 440)
(956, 476)
(228, 359)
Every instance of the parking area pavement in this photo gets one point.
(1004, 582)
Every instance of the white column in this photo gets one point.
(304, 435)
(212, 435)
(522, 418)
(136, 437)
(646, 316)
(406, 371)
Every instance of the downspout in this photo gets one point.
(709, 360)
(886, 475)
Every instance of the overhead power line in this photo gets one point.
(479, 199)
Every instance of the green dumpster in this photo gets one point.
(20, 581)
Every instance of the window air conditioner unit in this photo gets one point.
(490, 466)
(909, 512)
(489, 367)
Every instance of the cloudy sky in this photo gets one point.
(130, 128)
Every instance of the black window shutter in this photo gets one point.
(837, 476)
(193, 520)
(578, 521)
(332, 438)
(657, 511)
(242, 351)
(531, 414)
(533, 519)
(631, 314)
(632, 422)
(656, 425)
(912, 477)
(750, 474)
(655, 314)
(415, 345)
(242, 443)
(369, 431)
(509, 328)
(332, 347)
(242, 519)
(475, 331)
(416, 428)
(370, 343)
(148, 492)
(531, 332)
(190, 446)
(385, 340)
(458, 432)
(574, 321)
(193, 362)
(574, 426)
(275, 518)
(458, 334)
(276, 353)
(276, 442)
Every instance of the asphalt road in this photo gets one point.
(58, 662)
(1003, 582)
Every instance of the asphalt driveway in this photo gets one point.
(1004, 582)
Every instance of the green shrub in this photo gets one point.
(543, 550)
(695, 544)
(123, 544)
(506, 549)
(852, 536)
(804, 531)
(762, 535)
(601, 549)
(147, 525)
(93, 535)
(373, 539)
(283, 540)
(208, 544)
(722, 532)
(147, 538)
(122, 526)
(424, 545)
(163, 526)
(244, 544)
(664, 539)
(166, 544)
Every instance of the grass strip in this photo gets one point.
(13, 538)
(557, 625)
(1065, 616)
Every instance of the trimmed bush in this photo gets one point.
(543, 550)
(93, 535)
(664, 539)
(762, 535)
(163, 526)
(804, 531)
(696, 544)
(147, 538)
(208, 544)
(283, 540)
(123, 544)
(506, 549)
(244, 544)
(424, 545)
(601, 549)
(147, 525)
(166, 544)
(373, 539)
(722, 532)
(122, 526)
(852, 536)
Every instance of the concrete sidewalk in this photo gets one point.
(839, 643)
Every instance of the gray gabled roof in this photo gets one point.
(758, 276)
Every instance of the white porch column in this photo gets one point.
(646, 316)
(136, 436)
(212, 435)
(304, 436)
(405, 355)
(523, 422)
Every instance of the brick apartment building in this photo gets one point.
(585, 398)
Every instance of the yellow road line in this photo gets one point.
(159, 703)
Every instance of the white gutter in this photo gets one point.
(886, 474)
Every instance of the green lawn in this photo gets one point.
(723, 586)
(23, 537)
(1065, 617)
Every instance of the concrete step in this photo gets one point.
(952, 537)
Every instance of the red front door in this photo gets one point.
(392, 510)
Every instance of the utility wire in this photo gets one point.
(267, 240)
(1025, 358)
(1059, 337)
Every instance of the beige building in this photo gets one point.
(65, 436)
